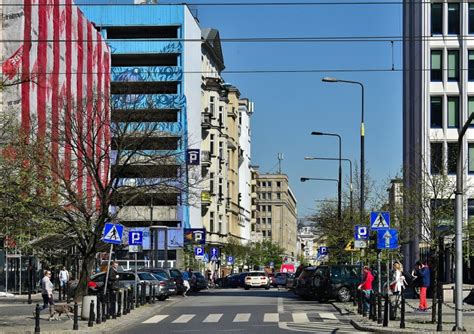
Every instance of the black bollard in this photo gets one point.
(359, 301)
(143, 301)
(402, 312)
(119, 304)
(98, 318)
(139, 295)
(107, 306)
(379, 308)
(113, 304)
(153, 295)
(104, 307)
(37, 318)
(371, 306)
(132, 298)
(91, 315)
(439, 326)
(386, 311)
(125, 301)
(75, 326)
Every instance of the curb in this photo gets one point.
(360, 327)
(342, 311)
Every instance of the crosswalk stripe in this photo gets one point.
(270, 317)
(155, 319)
(184, 318)
(213, 317)
(300, 317)
(328, 316)
(242, 317)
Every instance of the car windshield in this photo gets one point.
(146, 276)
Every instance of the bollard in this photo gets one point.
(153, 294)
(37, 318)
(104, 308)
(132, 298)
(75, 326)
(402, 312)
(386, 311)
(91, 315)
(107, 306)
(143, 301)
(379, 308)
(125, 301)
(139, 296)
(359, 301)
(371, 306)
(98, 318)
(439, 326)
(113, 301)
(119, 304)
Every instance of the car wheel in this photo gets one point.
(267, 287)
(247, 288)
(344, 294)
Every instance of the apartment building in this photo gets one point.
(156, 81)
(274, 211)
(438, 97)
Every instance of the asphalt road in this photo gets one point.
(240, 311)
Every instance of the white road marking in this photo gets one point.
(155, 319)
(300, 317)
(270, 317)
(328, 316)
(213, 317)
(242, 317)
(184, 318)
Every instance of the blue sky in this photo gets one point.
(289, 106)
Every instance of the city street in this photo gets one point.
(240, 311)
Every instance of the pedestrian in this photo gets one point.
(423, 271)
(186, 282)
(112, 283)
(397, 285)
(367, 290)
(47, 290)
(63, 279)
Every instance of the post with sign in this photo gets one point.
(113, 235)
(135, 240)
(379, 220)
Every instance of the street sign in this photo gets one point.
(387, 239)
(361, 232)
(135, 238)
(214, 253)
(350, 247)
(134, 248)
(323, 250)
(113, 233)
(379, 220)
(193, 157)
(230, 260)
(199, 251)
(195, 236)
(205, 258)
(360, 244)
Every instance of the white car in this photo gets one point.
(256, 279)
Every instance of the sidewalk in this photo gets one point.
(16, 316)
(415, 321)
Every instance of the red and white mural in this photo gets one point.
(63, 65)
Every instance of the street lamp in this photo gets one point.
(317, 133)
(350, 186)
(362, 143)
(304, 179)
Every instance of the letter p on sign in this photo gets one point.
(135, 238)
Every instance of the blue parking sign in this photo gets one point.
(135, 238)
(199, 251)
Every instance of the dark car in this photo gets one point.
(303, 286)
(166, 283)
(174, 274)
(198, 282)
(336, 281)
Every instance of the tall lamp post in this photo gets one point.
(317, 133)
(362, 144)
(350, 185)
(304, 179)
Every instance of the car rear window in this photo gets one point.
(256, 274)
(161, 275)
(146, 276)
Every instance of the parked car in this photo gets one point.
(290, 281)
(271, 277)
(166, 282)
(256, 279)
(280, 279)
(229, 281)
(198, 282)
(336, 281)
(304, 283)
(174, 274)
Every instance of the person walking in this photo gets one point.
(367, 290)
(397, 286)
(186, 282)
(423, 271)
(47, 290)
(63, 280)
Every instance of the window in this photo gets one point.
(253, 227)
(471, 18)
(442, 211)
(211, 221)
(269, 183)
(269, 195)
(211, 183)
(453, 19)
(269, 233)
(471, 158)
(470, 108)
(212, 106)
(453, 112)
(269, 209)
(453, 65)
(220, 224)
(264, 233)
(278, 184)
(436, 61)
(470, 65)
(452, 157)
(258, 220)
(269, 221)
(437, 19)
(436, 112)
(211, 148)
(278, 195)
(436, 157)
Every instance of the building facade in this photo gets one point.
(438, 97)
(274, 212)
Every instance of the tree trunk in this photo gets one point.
(88, 261)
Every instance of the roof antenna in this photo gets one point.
(280, 158)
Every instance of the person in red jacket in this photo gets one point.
(366, 288)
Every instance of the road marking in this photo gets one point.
(242, 317)
(213, 317)
(328, 316)
(155, 319)
(280, 305)
(300, 317)
(270, 317)
(184, 318)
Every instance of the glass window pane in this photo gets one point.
(436, 112)
(471, 18)
(470, 107)
(470, 65)
(453, 65)
(471, 158)
(452, 157)
(453, 18)
(436, 157)
(453, 112)
(437, 19)
(436, 61)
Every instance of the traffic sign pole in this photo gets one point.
(108, 269)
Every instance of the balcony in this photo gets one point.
(205, 158)
(143, 213)
(206, 121)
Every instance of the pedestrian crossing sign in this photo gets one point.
(379, 220)
(113, 233)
